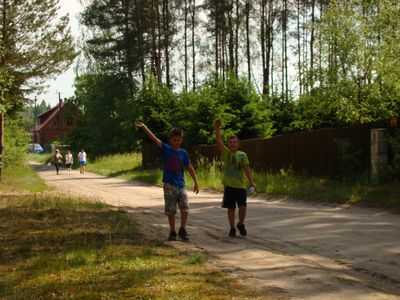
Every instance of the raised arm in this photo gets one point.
(218, 138)
(149, 133)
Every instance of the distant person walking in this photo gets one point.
(57, 160)
(82, 161)
(69, 160)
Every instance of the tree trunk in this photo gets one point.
(312, 38)
(128, 50)
(193, 45)
(300, 69)
(270, 49)
(186, 44)
(159, 43)
(166, 20)
(216, 40)
(263, 48)
(286, 56)
(283, 52)
(1, 144)
(3, 60)
(237, 39)
(248, 40)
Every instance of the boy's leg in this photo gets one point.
(231, 217)
(230, 203)
(184, 217)
(242, 204)
(242, 214)
(170, 197)
(183, 204)
(171, 221)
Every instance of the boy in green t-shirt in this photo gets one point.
(236, 165)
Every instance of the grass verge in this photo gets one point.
(362, 191)
(40, 158)
(68, 248)
(21, 178)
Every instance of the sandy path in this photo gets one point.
(293, 249)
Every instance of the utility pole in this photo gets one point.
(35, 111)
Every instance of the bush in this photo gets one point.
(15, 144)
(352, 162)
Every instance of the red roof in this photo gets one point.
(55, 109)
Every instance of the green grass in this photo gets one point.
(21, 178)
(128, 166)
(40, 158)
(68, 248)
(125, 166)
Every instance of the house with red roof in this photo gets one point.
(55, 123)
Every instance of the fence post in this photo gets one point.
(379, 149)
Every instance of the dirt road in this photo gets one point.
(294, 250)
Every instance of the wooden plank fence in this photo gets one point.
(313, 152)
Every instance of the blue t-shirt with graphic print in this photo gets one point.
(175, 161)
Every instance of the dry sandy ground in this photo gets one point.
(294, 250)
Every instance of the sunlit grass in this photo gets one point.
(126, 166)
(284, 182)
(40, 158)
(68, 248)
(21, 178)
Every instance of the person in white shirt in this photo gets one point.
(69, 161)
(82, 161)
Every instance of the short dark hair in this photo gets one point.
(176, 132)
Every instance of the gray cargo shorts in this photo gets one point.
(175, 196)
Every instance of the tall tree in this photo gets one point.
(35, 45)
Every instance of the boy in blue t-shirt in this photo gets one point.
(174, 160)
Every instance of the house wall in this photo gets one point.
(56, 128)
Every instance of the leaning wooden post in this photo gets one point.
(1, 143)
(379, 150)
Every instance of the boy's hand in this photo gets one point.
(196, 188)
(218, 123)
(254, 185)
(139, 124)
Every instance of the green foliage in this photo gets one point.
(104, 125)
(352, 162)
(391, 172)
(15, 144)
(107, 113)
(235, 101)
(36, 47)
(156, 105)
(356, 82)
(247, 113)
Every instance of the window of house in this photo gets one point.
(69, 121)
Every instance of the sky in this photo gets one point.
(64, 82)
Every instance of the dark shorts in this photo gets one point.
(68, 165)
(233, 196)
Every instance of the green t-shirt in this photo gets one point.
(233, 168)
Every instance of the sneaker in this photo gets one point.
(232, 232)
(172, 236)
(183, 234)
(241, 229)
